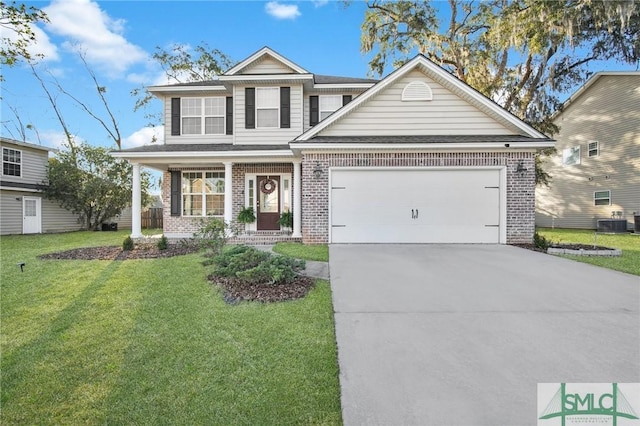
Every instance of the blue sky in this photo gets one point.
(119, 38)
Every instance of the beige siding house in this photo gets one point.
(418, 156)
(23, 209)
(596, 171)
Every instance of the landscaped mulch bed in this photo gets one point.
(116, 253)
(235, 290)
(568, 246)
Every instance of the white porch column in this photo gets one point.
(228, 196)
(297, 199)
(136, 203)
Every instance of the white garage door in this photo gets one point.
(415, 206)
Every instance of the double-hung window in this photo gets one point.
(594, 149)
(267, 107)
(11, 162)
(203, 116)
(203, 193)
(602, 198)
(329, 104)
(571, 156)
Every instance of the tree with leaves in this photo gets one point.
(16, 23)
(88, 181)
(523, 54)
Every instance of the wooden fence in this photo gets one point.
(152, 218)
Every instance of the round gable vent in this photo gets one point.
(417, 91)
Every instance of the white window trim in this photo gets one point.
(564, 157)
(203, 193)
(277, 126)
(21, 163)
(320, 110)
(602, 198)
(203, 116)
(597, 149)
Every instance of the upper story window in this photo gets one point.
(329, 104)
(203, 116)
(11, 162)
(571, 156)
(267, 107)
(594, 149)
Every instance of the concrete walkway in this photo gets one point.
(312, 269)
(462, 334)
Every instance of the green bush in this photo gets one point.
(127, 244)
(163, 243)
(212, 235)
(247, 215)
(286, 219)
(257, 267)
(541, 242)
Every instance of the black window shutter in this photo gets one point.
(285, 107)
(229, 115)
(346, 99)
(176, 193)
(175, 116)
(314, 110)
(249, 107)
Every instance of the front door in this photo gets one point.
(268, 203)
(31, 215)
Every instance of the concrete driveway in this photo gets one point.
(462, 334)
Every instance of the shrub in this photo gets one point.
(127, 244)
(541, 242)
(163, 243)
(257, 267)
(212, 235)
(247, 215)
(286, 220)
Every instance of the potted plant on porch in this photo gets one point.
(246, 216)
(286, 220)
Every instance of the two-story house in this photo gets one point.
(418, 156)
(23, 210)
(595, 174)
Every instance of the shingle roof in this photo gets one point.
(204, 147)
(424, 139)
(331, 79)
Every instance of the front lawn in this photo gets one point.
(317, 252)
(152, 342)
(629, 262)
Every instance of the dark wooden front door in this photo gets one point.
(268, 203)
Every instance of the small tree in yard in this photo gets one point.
(88, 181)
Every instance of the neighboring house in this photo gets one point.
(418, 156)
(596, 171)
(23, 209)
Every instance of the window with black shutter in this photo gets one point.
(175, 116)
(229, 112)
(250, 107)
(314, 110)
(176, 195)
(285, 107)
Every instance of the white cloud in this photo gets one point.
(282, 11)
(144, 136)
(56, 139)
(320, 3)
(87, 28)
(42, 46)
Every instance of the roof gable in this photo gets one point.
(504, 122)
(266, 61)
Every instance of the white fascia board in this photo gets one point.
(265, 51)
(200, 154)
(15, 189)
(344, 86)
(265, 77)
(422, 147)
(177, 89)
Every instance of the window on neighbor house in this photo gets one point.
(594, 149)
(203, 193)
(267, 107)
(602, 198)
(571, 156)
(328, 104)
(11, 162)
(203, 116)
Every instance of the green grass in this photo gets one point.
(318, 252)
(152, 342)
(629, 262)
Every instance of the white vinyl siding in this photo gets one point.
(606, 112)
(386, 114)
(267, 66)
(33, 166)
(54, 218)
(273, 136)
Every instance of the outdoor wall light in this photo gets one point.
(317, 170)
(521, 169)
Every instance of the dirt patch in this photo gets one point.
(568, 246)
(235, 290)
(116, 253)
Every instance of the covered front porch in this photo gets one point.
(207, 183)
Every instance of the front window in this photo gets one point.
(203, 116)
(203, 194)
(329, 104)
(11, 162)
(602, 198)
(267, 107)
(571, 156)
(594, 149)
